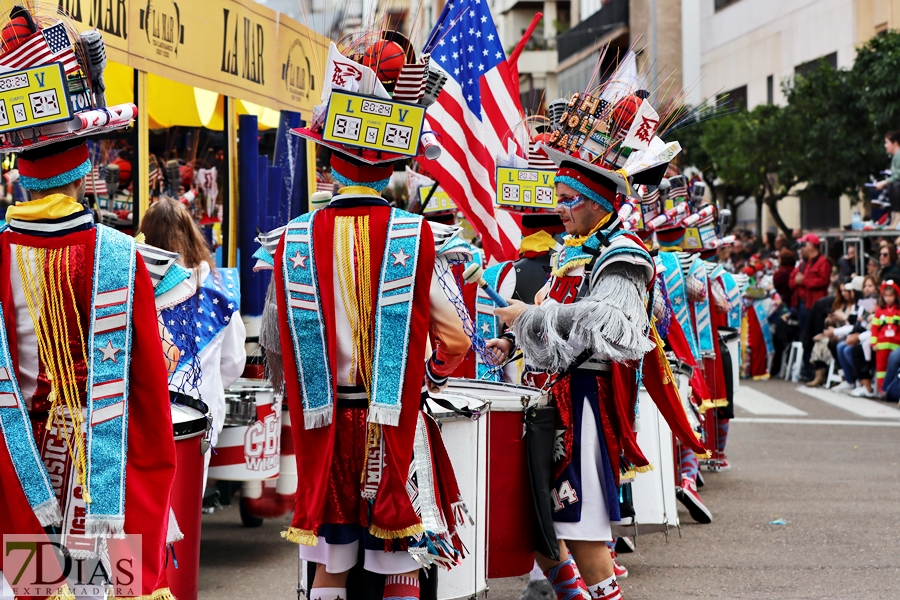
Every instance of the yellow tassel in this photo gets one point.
(645, 469)
(625, 176)
(140, 238)
(384, 534)
(300, 536)
(629, 474)
(761, 377)
(707, 454)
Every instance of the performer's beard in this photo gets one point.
(79, 193)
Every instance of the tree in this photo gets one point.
(875, 72)
(830, 134)
(746, 148)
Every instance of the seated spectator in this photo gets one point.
(855, 352)
(825, 343)
(847, 263)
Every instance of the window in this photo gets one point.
(735, 99)
(810, 66)
(770, 89)
(720, 4)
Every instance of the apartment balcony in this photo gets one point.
(603, 26)
(537, 62)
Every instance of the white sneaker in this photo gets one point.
(843, 387)
(862, 392)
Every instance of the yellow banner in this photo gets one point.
(374, 124)
(233, 47)
(528, 188)
(32, 97)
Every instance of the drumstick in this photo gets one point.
(474, 274)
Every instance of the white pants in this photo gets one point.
(594, 524)
(339, 558)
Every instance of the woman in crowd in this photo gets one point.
(825, 347)
(854, 353)
(199, 316)
(887, 259)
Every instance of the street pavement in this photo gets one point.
(823, 464)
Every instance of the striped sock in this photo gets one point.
(721, 434)
(689, 464)
(567, 581)
(608, 589)
(328, 594)
(401, 587)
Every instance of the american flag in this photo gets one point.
(95, 182)
(49, 45)
(474, 115)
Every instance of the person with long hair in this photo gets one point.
(199, 316)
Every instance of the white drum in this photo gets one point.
(655, 504)
(249, 446)
(466, 442)
(510, 547)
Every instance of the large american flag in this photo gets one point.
(40, 48)
(474, 115)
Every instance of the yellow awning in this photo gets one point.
(175, 104)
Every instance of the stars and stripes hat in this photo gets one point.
(380, 66)
(39, 35)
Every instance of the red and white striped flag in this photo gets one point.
(49, 45)
(474, 116)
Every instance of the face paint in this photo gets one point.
(570, 203)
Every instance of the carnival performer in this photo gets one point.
(87, 448)
(357, 298)
(593, 318)
(199, 319)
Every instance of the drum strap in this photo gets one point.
(459, 410)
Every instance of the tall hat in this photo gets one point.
(60, 72)
(606, 140)
(373, 109)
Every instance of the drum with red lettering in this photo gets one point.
(249, 445)
(510, 508)
(190, 426)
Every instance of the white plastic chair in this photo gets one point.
(794, 361)
(835, 374)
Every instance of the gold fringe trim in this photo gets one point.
(300, 536)
(561, 271)
(708, 404)
(63, 593)
(384, 534)
(708, 454)
(160, 594)
(761, 377)
(645, 469)
(633, 471)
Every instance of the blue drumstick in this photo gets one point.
(473, 274)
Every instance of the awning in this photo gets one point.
(174, 104)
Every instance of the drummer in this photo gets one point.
(365, 392)
(199, 317)
(592, 330)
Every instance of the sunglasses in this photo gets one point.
(885, 254)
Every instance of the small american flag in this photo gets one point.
(410, 86)
(43, 47)
(95, 183)
(474, 116)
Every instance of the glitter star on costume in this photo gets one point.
(400, 257)
(299, 261)
(109, 352)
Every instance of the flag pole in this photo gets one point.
(514, 56)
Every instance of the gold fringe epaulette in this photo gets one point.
(384, 534)
(563, 270)
(300, 536)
